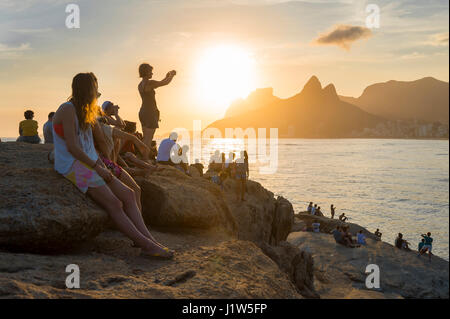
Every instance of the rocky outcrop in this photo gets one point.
(39, 210)
(297, 264)
(340, 272)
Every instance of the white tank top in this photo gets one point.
(63, 158)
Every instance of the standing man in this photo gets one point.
(313, 209)
(333, 210)
(48, 129)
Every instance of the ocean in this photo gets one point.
(392, 184)
(398, 186)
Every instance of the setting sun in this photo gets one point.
(225, 73)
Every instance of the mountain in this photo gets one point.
(425, 99)
(256, 99)
(315, 112)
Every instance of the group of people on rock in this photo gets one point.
(425, 245)
(316, 211)
(99, 152)
(222, 168)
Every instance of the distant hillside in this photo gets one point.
(425, 99)
(315, 112)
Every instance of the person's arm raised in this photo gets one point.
(153, 84)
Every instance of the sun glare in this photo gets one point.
(224, 74)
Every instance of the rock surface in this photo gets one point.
(205, 266)
(39, 210)
(340, 271)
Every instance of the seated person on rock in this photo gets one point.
(400, 243)
(166, 149)
(343, 218)
(28, 129)
(310, 206)
(361, 238)
(378, 233)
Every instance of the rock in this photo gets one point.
(173, 199)
(327, 225)
(40, 211)
(205, 266)
(297, 264)
(340, 271)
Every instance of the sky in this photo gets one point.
(265, 43)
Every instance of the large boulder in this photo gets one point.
(40, 211)
(173, 199)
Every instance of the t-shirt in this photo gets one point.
(428, 240)
(361, 238)
(337, 235)
(421, 244)
(48, 132)
(313, 210)
(29, 127)
(164, 150)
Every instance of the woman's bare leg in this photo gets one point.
(126, 196)
(105, 197)
(148, 136)
(131, 183)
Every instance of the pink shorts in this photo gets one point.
(113, 167)
(83, 176)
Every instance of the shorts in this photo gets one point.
(149, 119)
(115, 169)
(83, 176)
(427, 247)
(29, 139)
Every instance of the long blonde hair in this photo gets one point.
(84, 98)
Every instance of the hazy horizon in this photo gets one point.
(278, 44)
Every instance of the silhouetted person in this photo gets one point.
(378, 233)
(313, 209)
(342, 217)
(400, 243)
(149, 113)
(333, 210)
(310, 206)
(48, 130)
(28, 129)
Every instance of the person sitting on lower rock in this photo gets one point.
(361, 238)
(28, 129)
(315, 227)
(343, 218)
(400, 243)
(378, 233)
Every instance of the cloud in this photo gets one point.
(440, 39)
(343, 36)
(13, 52)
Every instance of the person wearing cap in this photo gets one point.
(111, 114)
(165, 150)
(28, 129)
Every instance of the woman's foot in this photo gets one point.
(157, 252)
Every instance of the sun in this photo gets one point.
(224, 74)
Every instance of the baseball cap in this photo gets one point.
(106, 104)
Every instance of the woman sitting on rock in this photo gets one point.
(77, 160)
